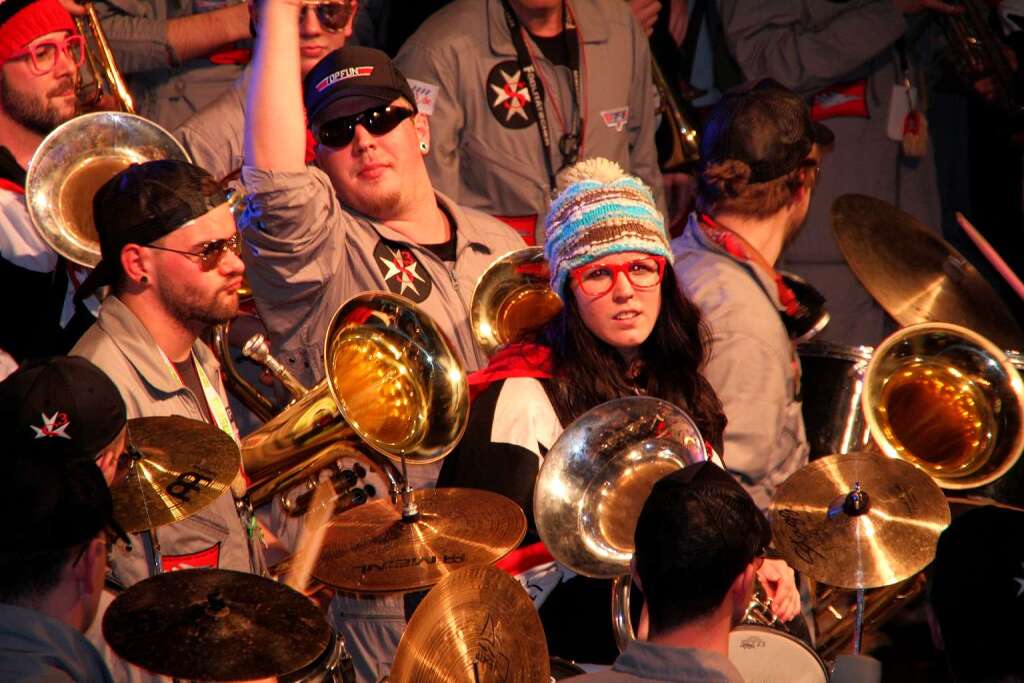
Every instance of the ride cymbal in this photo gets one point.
(215, 625)
(179, 466)
(858, 520)
(915, 275)
(371, 549)
(476, 625)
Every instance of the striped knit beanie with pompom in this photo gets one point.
(600, 210)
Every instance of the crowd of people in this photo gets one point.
(320, 170)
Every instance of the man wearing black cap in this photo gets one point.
(759, 158)
(64, 407)
(52, 568)
(366, 217)
(700, 541)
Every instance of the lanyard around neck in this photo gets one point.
(571, 142)
(218, 410)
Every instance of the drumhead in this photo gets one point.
(764, 655)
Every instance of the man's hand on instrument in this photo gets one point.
(780, 586)
(646, 12)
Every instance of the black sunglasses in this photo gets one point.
(338, 133)
(333, 16)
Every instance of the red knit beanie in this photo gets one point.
(19, 27)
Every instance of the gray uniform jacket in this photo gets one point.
(808, 45)
(753, 366)
(642, 661)
(38, 648)
(307, 255)
(488, 155)
(166, 90)
(215, 136)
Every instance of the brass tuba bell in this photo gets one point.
(594, 482)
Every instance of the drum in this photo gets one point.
(832, 380)
(563, 668)
(333, 666)
(764, 655)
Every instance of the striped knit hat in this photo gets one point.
(600, 210)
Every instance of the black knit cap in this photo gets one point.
(143, 203)
(764, 125)
(664, 530)
(351, 80)
(64, 407)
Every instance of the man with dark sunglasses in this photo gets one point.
(170, 255)
(214, 136)
(365, 217)
(522, 89)
(40, 51)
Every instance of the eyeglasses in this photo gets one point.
(338, 133)
(333, 16)
(597, 279)
(44, 53)
(209, 253)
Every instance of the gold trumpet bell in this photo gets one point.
(71, 164)
(948, 401)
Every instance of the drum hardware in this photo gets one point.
(477, 625)
(216, 625)
(106, 85)
(831, 385)
(916, 276)
(513, 299)
(858, 521)
(563, 668)
(70, 165)
(393, 391)
(380, 547)
(335, 665)
(595, 479)
(178, 467)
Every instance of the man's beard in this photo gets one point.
(194, 310)
(379, 206)
(38, 116)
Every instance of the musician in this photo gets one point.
(64, 407)
(854, 60)
(53, 565)
(759, 159)
(500, 139)
(170, 256)
(214, 136)
(625, 330)
(39, 57)
(700, 541)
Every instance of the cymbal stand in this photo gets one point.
(855, 503)
(410, 513)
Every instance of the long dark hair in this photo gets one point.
(589, 371)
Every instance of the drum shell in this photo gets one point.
(333, 666)
(831, 383)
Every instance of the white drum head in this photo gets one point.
(764, 655)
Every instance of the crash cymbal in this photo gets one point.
(476, 625)
(371, 549)
(179, 466)
(882, 535)
(215, 625)
(915, 275)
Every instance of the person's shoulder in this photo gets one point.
(498, 236)
(436, 34)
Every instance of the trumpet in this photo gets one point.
(106, 87)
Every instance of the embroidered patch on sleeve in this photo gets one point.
(616, 118)
(426, 95)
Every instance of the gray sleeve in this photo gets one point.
(752, 386)
(214, 136)
(779, 39)
(137, 37)
(642, 150)
(419, 63)
(295, 231)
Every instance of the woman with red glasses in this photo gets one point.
(624, 330)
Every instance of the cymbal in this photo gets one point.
(915, 275)
(819, 532)
(476, 625)
(215, 625)
(179, 466)
(370, 549)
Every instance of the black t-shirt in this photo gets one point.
(554, 48)
(190, 378)
(444, 250)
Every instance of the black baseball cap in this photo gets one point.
(143, 203)
(764, 125)
(63, 406)
(665, 523)
(351, 80)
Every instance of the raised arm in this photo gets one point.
(275, 126)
